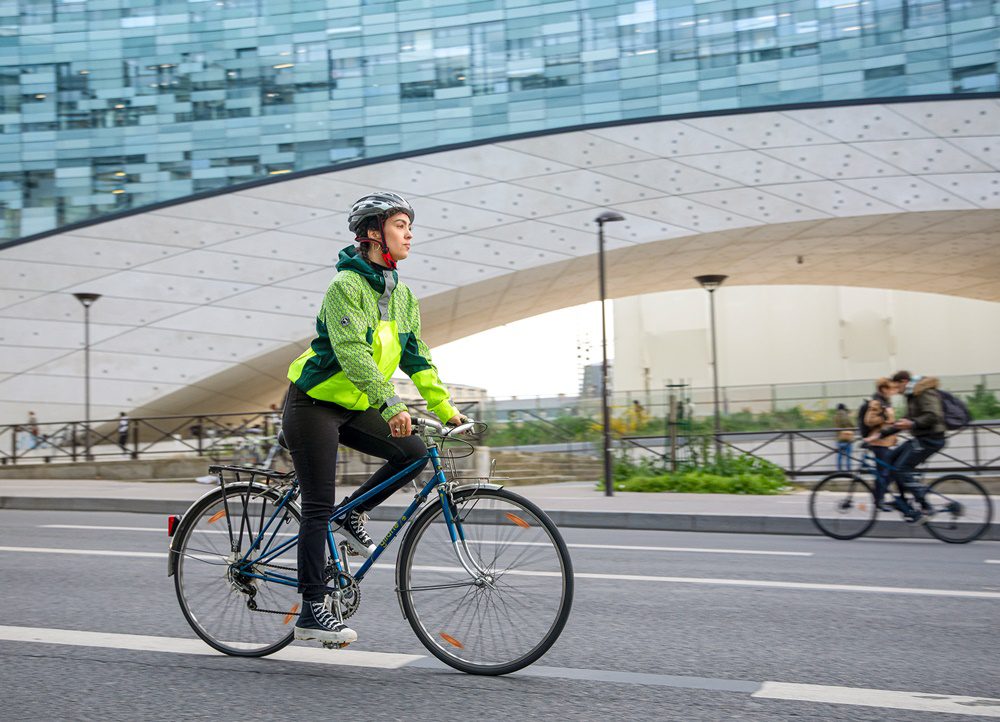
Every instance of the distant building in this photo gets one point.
(590, 384)
(799, 336)
(460, 393)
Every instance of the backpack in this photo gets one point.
(956, 413)
(862, 410)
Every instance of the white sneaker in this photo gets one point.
(316, 622)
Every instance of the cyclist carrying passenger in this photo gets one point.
(925, 421)
(368, 326)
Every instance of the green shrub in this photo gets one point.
(694, 481)
(706, 473)
(983, 404)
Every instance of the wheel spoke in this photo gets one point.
(960, 509)
(214, 595)
(501, 622)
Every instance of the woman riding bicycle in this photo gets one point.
(367, 326)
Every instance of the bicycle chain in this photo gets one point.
(252, 605)
(348, 609)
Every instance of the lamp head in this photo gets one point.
(609, 217)
(710, 282)
(87, 299)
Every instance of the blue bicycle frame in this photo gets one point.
(268, 552)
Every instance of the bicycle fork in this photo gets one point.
(465, 557)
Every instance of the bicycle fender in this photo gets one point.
(479, 485)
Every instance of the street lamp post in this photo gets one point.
(710, 283)
(606, 217)
(87, 299)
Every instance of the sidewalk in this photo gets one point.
(571, 504)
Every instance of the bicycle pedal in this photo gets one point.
(336, 645)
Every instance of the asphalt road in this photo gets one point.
(667, 625)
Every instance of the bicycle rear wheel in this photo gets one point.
(504, 603)
(842, 506)
(235, 613)
(960, 509)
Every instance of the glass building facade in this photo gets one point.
(112, 105)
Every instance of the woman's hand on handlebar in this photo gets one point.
(457, 420)
(401, 424)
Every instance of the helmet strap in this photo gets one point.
(383, 244)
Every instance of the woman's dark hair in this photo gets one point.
(371, 223)
(901, 376)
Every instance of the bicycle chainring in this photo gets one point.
(350, 593)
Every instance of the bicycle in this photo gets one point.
(483, 575)
(263, 452)
(842, 505)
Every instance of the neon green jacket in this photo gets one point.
(367, 327)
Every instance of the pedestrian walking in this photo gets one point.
(33, 433)
(123, 425)
(845, 435)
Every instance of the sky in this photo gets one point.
(538, 356)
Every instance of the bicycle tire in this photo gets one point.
(840, 526)
(279, 627)
(943, 521)
(480, 510)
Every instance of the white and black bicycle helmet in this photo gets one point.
(380, 204)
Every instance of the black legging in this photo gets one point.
(313, 429)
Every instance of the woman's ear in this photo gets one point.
(374, 235)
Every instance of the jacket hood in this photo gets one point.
(351, 260)
(927, 382)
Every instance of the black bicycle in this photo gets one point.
(842, 505)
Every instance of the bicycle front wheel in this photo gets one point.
(227, 604)
(494, 599)
(842, 506)
(959, 511)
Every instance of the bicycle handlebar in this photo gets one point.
(439, 428)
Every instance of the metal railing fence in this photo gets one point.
(219, 437)
(813, 452)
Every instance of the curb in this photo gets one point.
(647, 521)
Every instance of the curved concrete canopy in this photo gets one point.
(205, 302)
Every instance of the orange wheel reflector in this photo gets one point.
(291, 615)
(863, 507)
(216, 516)
(517, 520)
(451, 640)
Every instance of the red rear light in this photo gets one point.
(172, 521)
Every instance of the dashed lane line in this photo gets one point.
(881, 698)
(714, 581)
(787, 691)
(574, 545)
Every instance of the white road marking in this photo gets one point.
(767, 583)
(884, 699)
(993, 561)
(617, 547)
(732, 582)
(881, 698)
(140, 643)
(86, 552)
(623, 547)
